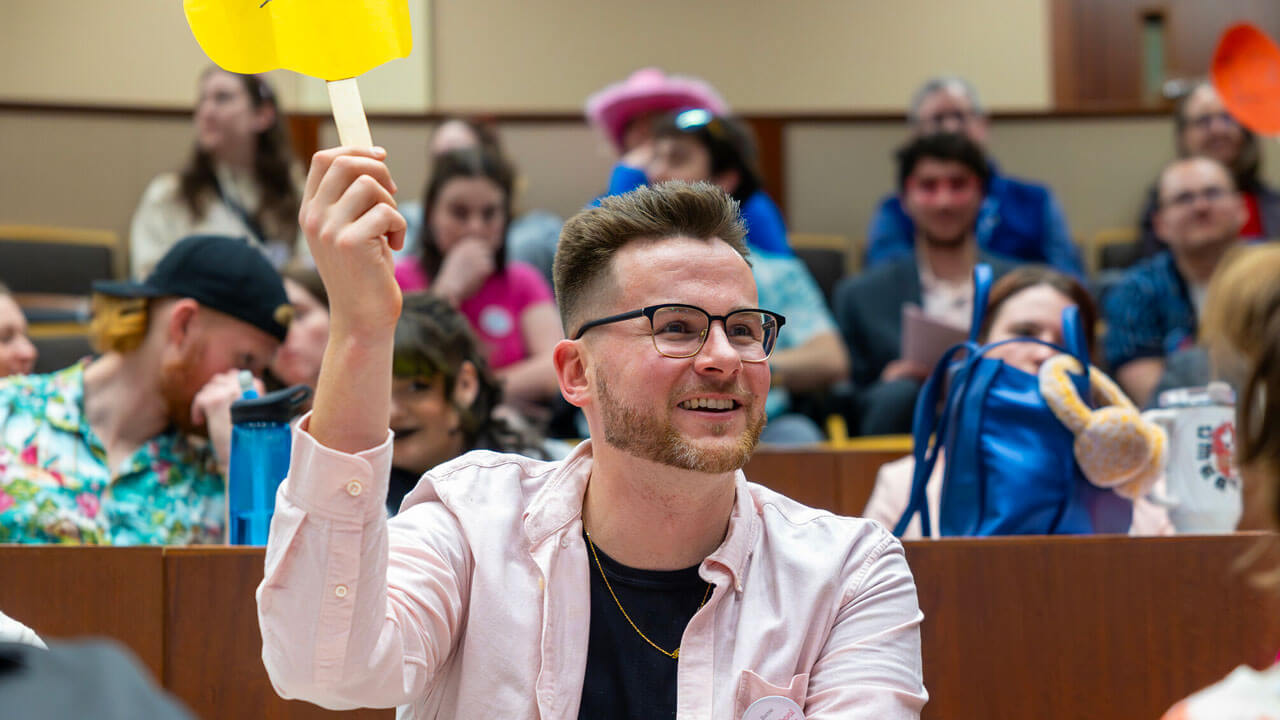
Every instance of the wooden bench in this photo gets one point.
(1041, 628)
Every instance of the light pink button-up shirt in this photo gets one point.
(474, 601)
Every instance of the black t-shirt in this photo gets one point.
(626, 677)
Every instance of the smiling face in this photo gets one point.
(17, 354)
(702, 413)
(468, 207)
(426, 425)
(1033, 312)
(943, 198)
(227, 122)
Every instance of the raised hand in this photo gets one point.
(349, 217)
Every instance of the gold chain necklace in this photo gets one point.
(674, 654)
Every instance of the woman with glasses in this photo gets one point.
(462, 258)
(1202, 126)
(241, 179)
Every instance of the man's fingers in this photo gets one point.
(381, 219)
(364, 197)
(322, 160)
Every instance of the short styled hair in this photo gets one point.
(948, 147)
(590, 239)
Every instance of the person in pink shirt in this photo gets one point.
(642, 576)
(463, 259)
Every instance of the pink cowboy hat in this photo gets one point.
(648, 90)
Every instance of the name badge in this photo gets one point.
(774, 707)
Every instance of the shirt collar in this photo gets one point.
(559, 503)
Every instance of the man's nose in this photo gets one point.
(718, 355)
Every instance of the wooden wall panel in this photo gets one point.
(66, 592)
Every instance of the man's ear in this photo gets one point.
(181, 321)
(1158, 223)
(571, 362)
(467, 386)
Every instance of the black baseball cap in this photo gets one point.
(220, 272)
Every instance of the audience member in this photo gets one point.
(1027, 302)
(941, 179)
(495, 558)
(444, 399)
(240, 180)
(17, 353)
(100, 453)
(463, 258)
(626, 112)
(696, 146)
(1152, 310)
(1203, 127)
(297, 362)
(531, 234)
(1242, 329)
(1018, 219)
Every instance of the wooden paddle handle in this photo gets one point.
(348, 113)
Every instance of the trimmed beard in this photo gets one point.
(179, 390)
(627, 429)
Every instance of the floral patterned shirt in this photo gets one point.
(56, 486)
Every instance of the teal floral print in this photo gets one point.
(56, 486)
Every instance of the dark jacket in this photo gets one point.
(868, 310)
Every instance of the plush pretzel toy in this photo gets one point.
(1115, 447)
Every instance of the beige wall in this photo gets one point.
(1100, 169)
(516, 55)
(141, 53)
(764, 55)
(88, 170)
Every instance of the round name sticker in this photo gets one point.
(496, 321)
(774, 707)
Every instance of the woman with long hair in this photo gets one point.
(241, 179)
(462, 258)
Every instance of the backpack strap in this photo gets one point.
(1074, 337)
(927, 434)
(982, 279)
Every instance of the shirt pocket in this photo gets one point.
(752, 687)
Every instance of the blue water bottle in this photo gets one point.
(259, 459)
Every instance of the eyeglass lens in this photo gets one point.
(681, 331)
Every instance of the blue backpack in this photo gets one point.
(1010, 469)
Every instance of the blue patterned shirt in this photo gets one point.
(785, 286)
(56, 487)
(1148, 313)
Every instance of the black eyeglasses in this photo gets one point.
(679, 331)
(1205, 121)
(1187, 198)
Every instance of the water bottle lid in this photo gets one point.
(274, 407)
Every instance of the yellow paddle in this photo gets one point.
(334, 40)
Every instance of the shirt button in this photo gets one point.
(354, 488)
(340, 591)
(564, 541)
